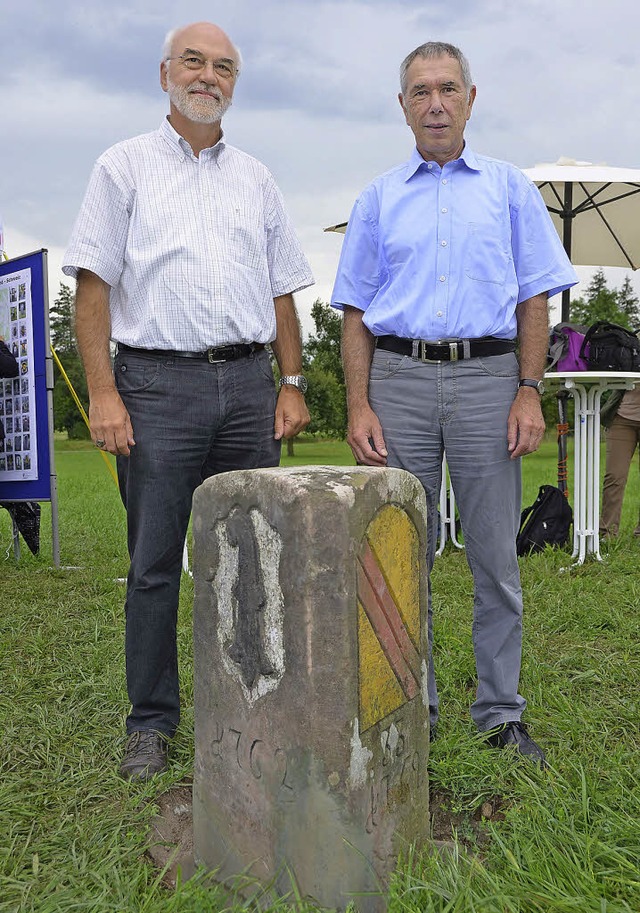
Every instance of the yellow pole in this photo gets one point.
(81, 410)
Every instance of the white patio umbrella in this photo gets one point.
(596, 211)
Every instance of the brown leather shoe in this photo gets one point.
(514, 735)
(145, 754)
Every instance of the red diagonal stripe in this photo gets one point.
(387, 624)
(390, 609)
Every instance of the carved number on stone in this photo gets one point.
(253, 755)
(400, 766)
(377, 802)
(216, 743)
(284, 786)
(238, 735)
(254, 764)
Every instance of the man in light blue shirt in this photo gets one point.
(447, 260)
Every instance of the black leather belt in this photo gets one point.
(214, 355)
(451, 350)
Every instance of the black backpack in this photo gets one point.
(546, 522)
(611, 348)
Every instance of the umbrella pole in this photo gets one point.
(567, 225)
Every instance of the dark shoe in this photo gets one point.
(515, 735)
(145, 755)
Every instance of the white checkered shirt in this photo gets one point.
(194, 249)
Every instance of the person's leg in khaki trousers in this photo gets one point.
(621, 441)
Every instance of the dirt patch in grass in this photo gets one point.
(465, 826)
(171, 847)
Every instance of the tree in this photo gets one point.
(629, 304)
(604, 303)
(61, 326)
(66, 416)
(326, 401)
(324, 348)
(323, 365)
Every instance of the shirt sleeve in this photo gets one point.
(357, 280)
(289, 270)
(99, 236)
(540, 260)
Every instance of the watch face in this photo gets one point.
(536, 384)
(295, 380)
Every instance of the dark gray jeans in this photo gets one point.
(462, 408)
(190, 420)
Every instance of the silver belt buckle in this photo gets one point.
(211, 359)
(419, 349)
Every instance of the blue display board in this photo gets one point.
(25, 458)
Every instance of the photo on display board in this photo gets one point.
(18, 451)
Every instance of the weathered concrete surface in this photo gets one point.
(311, 707)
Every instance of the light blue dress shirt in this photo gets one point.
(435, 253)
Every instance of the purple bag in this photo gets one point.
(565, 348)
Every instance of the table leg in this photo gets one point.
(442, 531)
(580, 474)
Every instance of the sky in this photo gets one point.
(316, 100)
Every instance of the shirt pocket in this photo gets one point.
(247, 239)
(488, 254)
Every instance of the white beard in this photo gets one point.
(195, 107)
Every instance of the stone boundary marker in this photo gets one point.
(311, 707)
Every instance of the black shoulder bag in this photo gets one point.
(546, 522)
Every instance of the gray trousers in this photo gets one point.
(462, 407)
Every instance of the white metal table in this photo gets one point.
(586, 388)
(447, 507)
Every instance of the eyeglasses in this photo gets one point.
(223, 68)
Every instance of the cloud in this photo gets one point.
(317, 97)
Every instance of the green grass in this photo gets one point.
(73, 835)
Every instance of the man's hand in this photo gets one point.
(525, 426)
(292, 415)
(108, 418)
(110, 423)
(366, 439)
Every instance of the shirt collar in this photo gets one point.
(182, 147)
(467, 157)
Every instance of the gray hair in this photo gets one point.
(436, 49)
(168, 42)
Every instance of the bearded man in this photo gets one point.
(185, 258)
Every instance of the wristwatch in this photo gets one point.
(536, 384)
(295, 380)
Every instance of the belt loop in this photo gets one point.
(453, 351)
(466, 348)
(414, 349)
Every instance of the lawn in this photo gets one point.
(73, 835)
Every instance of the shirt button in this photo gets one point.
(444, 209)
(443, 278)
(439, 314)
(444, 181)
(429, 166)
(444, 243)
